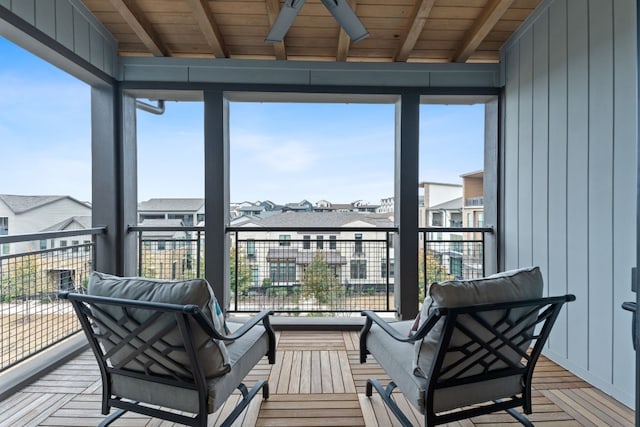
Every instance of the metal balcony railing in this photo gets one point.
(32, 271)
(312, 271)
(304, 272)
(451, 253)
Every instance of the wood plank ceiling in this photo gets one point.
(400, 30)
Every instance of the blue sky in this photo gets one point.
(282, 152)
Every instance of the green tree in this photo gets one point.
(319, 281)
(435, 270)
(240, 274)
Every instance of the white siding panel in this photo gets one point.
(558, 169)
(96, 48)
(46, 16)
(624, 189)
(540, 146)
(25, 9)
(582, 173)
(525, 150)
(510, 235)
(578, 179)
(81, 35)
(64, 23)
(600, 187)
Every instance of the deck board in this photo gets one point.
(317, 381)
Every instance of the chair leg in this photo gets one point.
(112, 417)
(247, 395)
(385, 394)
(520, 417)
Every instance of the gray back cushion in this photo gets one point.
(514, 285)
(212, 354)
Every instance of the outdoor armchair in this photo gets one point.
(474, 349)
(164, 349)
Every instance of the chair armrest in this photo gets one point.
(393, 333)
(261, 316)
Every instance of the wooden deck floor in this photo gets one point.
(317, 381)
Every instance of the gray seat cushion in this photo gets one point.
(244, 353)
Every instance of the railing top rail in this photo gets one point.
(167, 228)
(51, 235)
(313, 229)
(456, 229)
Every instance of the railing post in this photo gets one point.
(389, 235)
(140, 247)
(198, 248)
(235, 279)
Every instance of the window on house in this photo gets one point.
(306, 242)
(390, 240)
(200, 218)
(285, 240)
(456, 243)
(52, 244)
(358, 243)
(436, 219)
(74, 244)
(320, 242)
(162, 246)
(43, 245)
(383, 268)
(87, 245)
(251, 248)
(63, 243)
(456, 219)
(333, 240)
(282, 271)
(469, 219)
(480, 216)
(187, 219)
(254, 275)
(4, 226)
(151, 216)
(358, 268)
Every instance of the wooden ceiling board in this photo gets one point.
(175, 28)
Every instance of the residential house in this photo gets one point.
(188, 210)
(20, 214)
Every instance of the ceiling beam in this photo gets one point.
(421, 12)
(273, 9)
(141, 28)
(209, 27)
(344, 41)
(491, 14)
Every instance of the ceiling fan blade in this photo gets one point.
(347, 19)
(284, 20)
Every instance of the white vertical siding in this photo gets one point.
(69, 23)
(569, 176)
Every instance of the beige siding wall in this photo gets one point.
(569, 173)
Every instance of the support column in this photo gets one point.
(491, 184)
(216, 194)
(114, 178)
(406, 204)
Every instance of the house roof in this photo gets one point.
(454, 204)
(21, 204)
(321, 219)
(171, 205)
(399, 30)
(83, 221)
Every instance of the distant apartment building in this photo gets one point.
(21, 214)
(473, 194)
(360, 260)
(188, 210)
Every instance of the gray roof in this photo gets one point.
(83, 221)
(162, 234)
(320, 219)
(455, 204)
(21, 204)
(171, 205)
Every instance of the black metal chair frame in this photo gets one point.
(504, 333)
(124, 339)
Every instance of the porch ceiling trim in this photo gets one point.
(226, 71)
